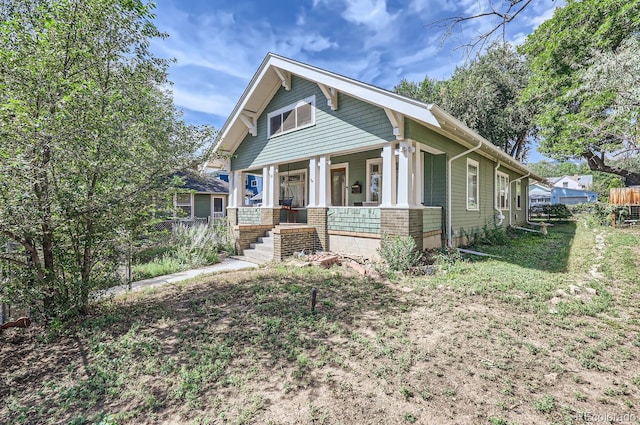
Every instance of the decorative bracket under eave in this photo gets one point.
(332, 96)
(251, 121)
(397, 122)
(285, 78)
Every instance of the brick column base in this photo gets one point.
(270, 216)
(317, 217)
(403, 222)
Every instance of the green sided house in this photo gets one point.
(344, 162)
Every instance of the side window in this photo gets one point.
(473, 201)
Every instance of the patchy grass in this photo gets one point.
(489, 341)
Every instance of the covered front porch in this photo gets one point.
(348, 199)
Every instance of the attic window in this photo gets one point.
(292, 117)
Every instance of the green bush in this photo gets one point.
(399, 253)
(447, 260)
(599, 213)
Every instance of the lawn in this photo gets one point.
(547, 331)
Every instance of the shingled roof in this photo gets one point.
(203, 183)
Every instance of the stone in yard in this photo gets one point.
(326, 261)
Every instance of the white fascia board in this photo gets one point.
(487, 146)
(237, 110)
(365, 92)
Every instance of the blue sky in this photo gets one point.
(219, 45)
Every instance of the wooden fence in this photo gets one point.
(625, 196)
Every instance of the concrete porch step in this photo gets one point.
(266, 241)
(267, 248)
(255, 256)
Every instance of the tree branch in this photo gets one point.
(14, 261)
(478, 42)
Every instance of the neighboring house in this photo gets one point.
(204, 197)
(542, 195)
(572, 182)
(539, 194)
(253, 186)
(349, 162)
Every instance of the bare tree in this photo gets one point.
(504, 12)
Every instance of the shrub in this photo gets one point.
(195, 245)
(447, 260)
(599, 213)
(399, 253)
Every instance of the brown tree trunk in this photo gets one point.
(597, 163)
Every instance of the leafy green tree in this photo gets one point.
(584, 82)
(484, 95)
(88, 136)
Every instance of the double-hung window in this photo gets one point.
(519, 194)
(502, 191)
(292, 117)
(183, 203)
(473, 190)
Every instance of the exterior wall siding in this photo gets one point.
(463, 220)
(355, 124)
(435, 179)
(249, 215)
(354, 219)
(432, 219)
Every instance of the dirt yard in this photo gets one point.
(537, 335)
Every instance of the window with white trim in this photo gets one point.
(292, 117)
(183, 203)
(502, 191)
(518, 194)
(293, 185)
(374, 180)
(473, 186)
(218, 205)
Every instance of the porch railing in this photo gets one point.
(249, 215)
(354, 219)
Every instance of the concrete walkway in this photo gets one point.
(226, 265)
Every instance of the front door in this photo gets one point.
(339, 187)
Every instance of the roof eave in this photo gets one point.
(487, 146)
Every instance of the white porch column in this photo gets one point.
(266, 187)
(405, 165)
(313, 182)
(418, 179)
(324, 185)
(274, 186)
(236, 189)
(388, 175)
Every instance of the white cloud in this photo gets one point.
(208, 102)
(418, 57)
(371, 13)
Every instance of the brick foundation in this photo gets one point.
(317, 217)
(403, 222)
(270, 216)
(290, 240)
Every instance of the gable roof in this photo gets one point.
(275, 71)
(203, 184)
